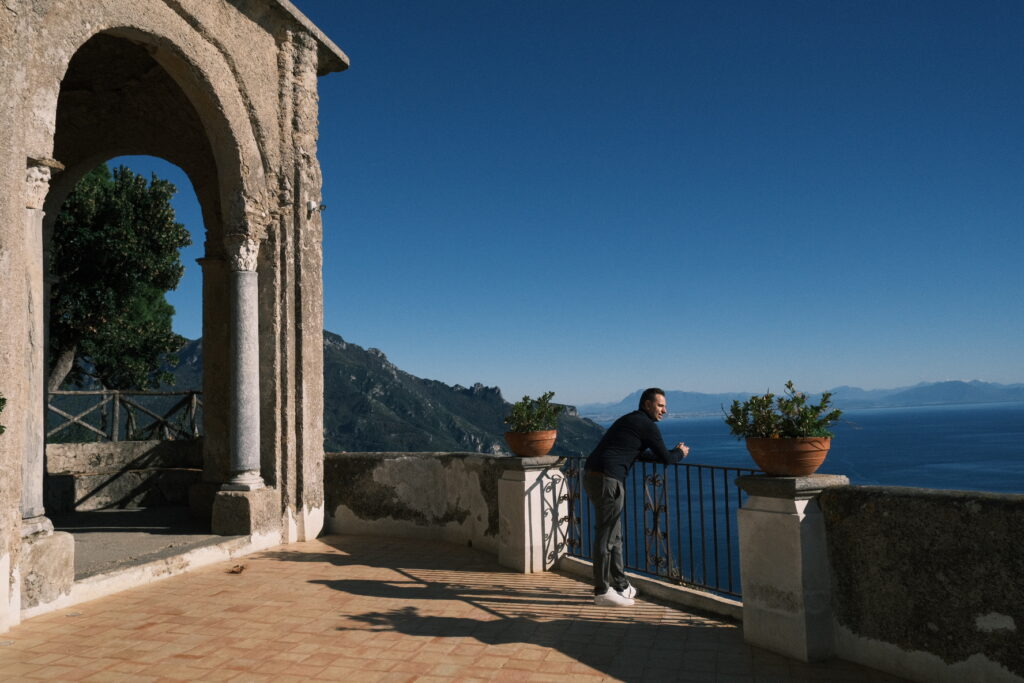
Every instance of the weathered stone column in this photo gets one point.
(784, 567)
(533, 513)
(46, 567)
(216, 381)
(245, 376)
(33, 513)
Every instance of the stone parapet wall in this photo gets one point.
(71, 458)
(927, 584)
(447, 496)
(124, 474)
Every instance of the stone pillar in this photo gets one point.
(245, 365)
(33, 513)
(533, 513)
(784, 567)
(46, 567)
(216, 382)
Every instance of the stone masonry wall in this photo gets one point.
(935, 572)
(125, 474)
(447, 496)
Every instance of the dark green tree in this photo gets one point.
(115, 255)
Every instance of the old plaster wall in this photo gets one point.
(927, 583)
(445, 496)
(226, 89)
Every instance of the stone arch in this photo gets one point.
(118, 98)
(195, 127)
(231, 86)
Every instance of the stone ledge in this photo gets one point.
(516, 462)
(789, 487)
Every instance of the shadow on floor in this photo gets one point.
(447, 594)
(106, 540)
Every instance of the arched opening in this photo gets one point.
(125, 495)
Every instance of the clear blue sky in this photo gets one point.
(592, 196)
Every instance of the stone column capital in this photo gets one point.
(37, 180)
(242, 252)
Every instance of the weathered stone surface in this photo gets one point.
(125, 489)
(784, 566)
(929, 571)
(47, 568)
(789, 488)
(453, 496)
(126, 474)
(106, 457)
(237, 513)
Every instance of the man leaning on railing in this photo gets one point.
(633, 436)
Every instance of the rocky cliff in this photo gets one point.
(371, 405)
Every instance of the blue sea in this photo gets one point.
(965, 447)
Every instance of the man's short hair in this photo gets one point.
(649, 395)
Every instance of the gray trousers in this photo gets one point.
(607, 496)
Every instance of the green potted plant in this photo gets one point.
(786, 435)
(532, 425)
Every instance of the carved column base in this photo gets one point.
(40, 524)
(245, 481)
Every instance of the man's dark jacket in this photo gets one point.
(630, 437)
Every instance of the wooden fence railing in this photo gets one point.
(109, 415)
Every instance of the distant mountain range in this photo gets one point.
(692, 404)
(371, 405)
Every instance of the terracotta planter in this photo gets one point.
(796, 457)
(531, 444)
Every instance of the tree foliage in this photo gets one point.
(115, 254)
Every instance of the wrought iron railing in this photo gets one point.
(679, 523)
(109, 415)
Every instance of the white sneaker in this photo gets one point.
(611, 598)
(629, 591)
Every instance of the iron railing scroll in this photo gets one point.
(109, 415)
(679, 523)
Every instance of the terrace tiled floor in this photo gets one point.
(368, 609)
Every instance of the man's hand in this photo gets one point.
(682, 448)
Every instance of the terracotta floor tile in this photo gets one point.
(490, 661)
(116, 677)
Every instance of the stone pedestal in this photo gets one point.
(533, 514)
(47, 568)
(243, 513)
(784, 565)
